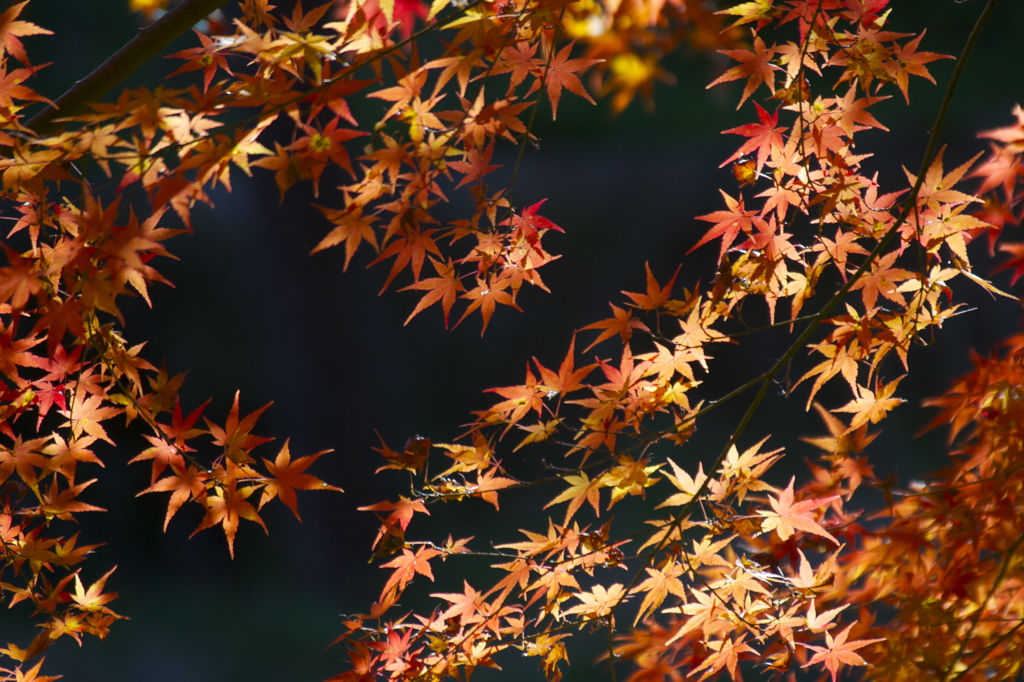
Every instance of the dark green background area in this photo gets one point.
(252, 311)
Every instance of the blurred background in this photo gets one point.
(251, 310)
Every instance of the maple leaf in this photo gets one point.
(287, 476)
(486, 296)
(764, 137)
(466, 458)
(519, 400)
(599, 602)
(728, 224)
(530, 224)
(810, 581)
(819, 622)
(872, 405)
(937, 187)
(488, 484)
(659, 584)
(444, 288)
(744, 471)
(560, 73)
(581, 489)
(755, 10)
(682, 480)
(286, 169)
(840, 249)
(851, 113)
(705, 613)
(727, 653)
(234, 437)
(477, 164)
(228, 507)
(839, 361)
(93, 599)
(391, 535)
(31, 675)
(787, 516)
(841, 441)
(629, 477)
(907, 61)
(656, 295)
(65, 455)
(705, 553)
(350, 226)
(630, 73)
(162, 453)
(412, 458)
(183, 428)
(466, 606)
(755, 66)
(185, 482)
(622, 323)
(25, 457)
(408, 565)
(208, 57)
(838, 651)
(86, 414)
(12, 28)
(568, 378)
(882, 279)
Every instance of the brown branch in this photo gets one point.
(111, 73)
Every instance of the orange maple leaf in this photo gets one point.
(11, 28)
(444, 288)
(656, 295)
(622, 323)
(728, 224)
(599, 602)
(93, 599)
(467, 606)
(786, 516)
(838, 651)
(228, 507)
(872, 405)
(287, 476)
(581, 489)
(186, 483)
(560, 73)
(568, 379)
(488, 484)
(235, 436)
(486, 296)
(351, 227)
(907, 61)
(408, 565)
(755, 66)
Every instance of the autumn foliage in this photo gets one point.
(833, 573)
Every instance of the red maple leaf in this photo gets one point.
(764, 137)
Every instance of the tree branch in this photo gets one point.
(108, 75)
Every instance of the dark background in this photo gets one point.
(252, 311)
